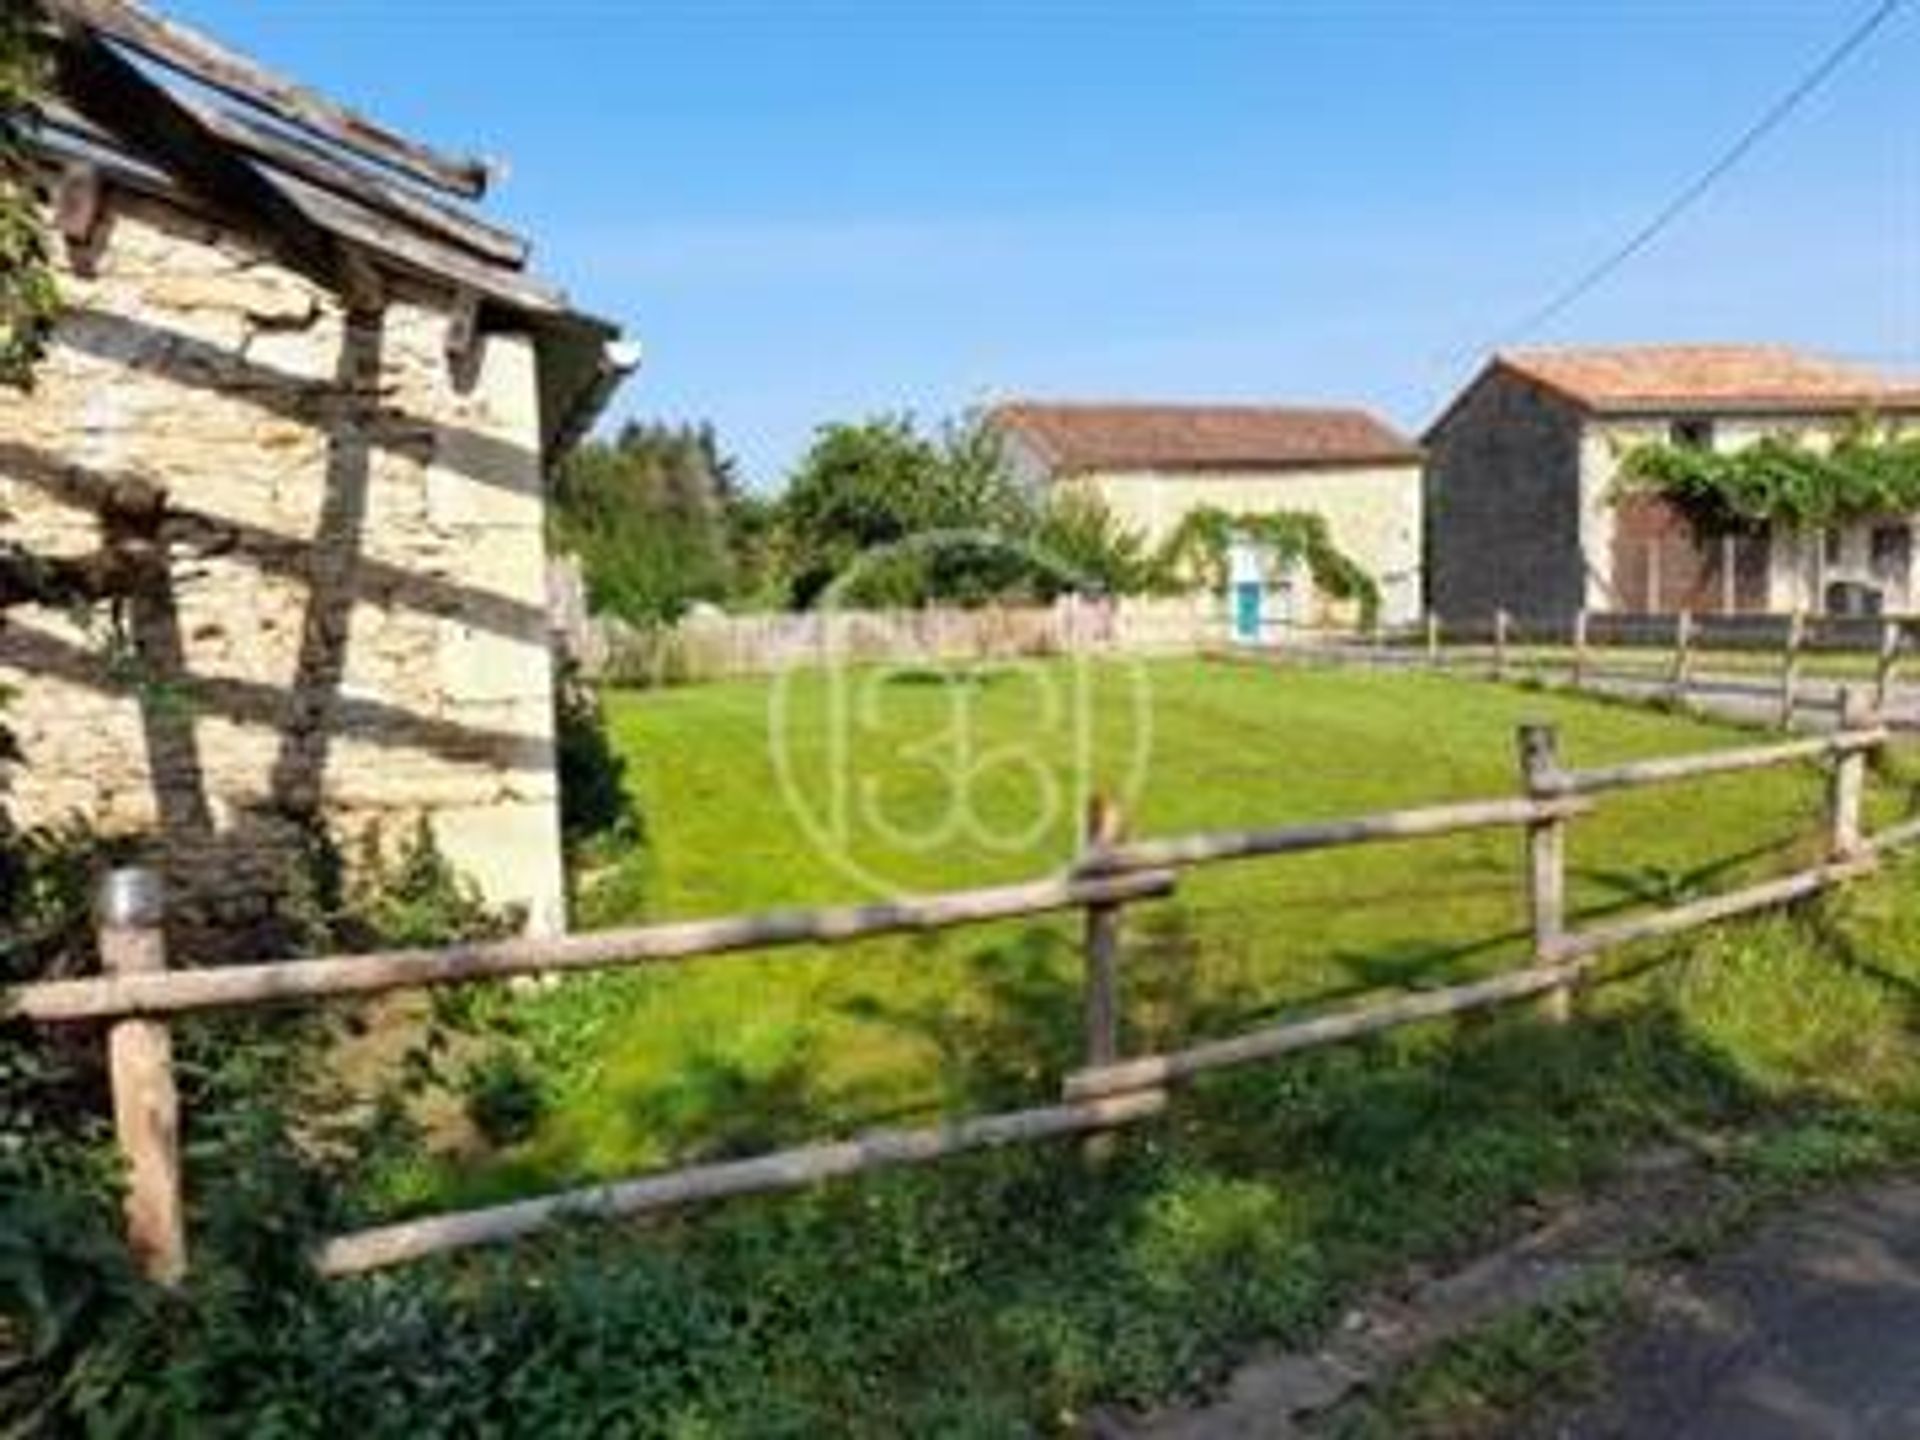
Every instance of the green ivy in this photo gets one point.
(1868, 470)
(1196, 552)
(28, 299)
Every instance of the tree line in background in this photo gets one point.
(879, 514)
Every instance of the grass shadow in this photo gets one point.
(1652, 884)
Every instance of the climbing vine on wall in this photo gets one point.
(28, 299)
(1196, 553)
(1868, 470)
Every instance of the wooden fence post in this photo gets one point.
(1500, 623)
(1790, 667)
(1106, 826)
(1848, 783)
(1580, 648)
(146, 1105)
(1433, 640)
(1539, 746)
(1682, 656)
(1890, 638)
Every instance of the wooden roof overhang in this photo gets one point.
(336, 196)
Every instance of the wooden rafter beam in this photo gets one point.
(189, 53)
(290, 159)
(313, 163)
(357, 229)
(112, 93)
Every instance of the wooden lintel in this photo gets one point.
(189, 53)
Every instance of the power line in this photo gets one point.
(1771, 120)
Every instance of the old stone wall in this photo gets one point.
(353, 626)
(1504, 505)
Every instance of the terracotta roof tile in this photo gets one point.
(1081, 437)
(1747, 378)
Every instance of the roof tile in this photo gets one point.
(1752, 378)
(1081, 437)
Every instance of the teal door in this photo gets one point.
(1246, 612)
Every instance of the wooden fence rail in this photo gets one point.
(1586, 649)
(138, 993)
(282, 982)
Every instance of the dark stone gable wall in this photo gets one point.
(1503, 505)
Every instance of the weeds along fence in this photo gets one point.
(715, 647)
(138, 997)
(1776, 661)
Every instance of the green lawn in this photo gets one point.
(730, 1055)
(1008, 1293)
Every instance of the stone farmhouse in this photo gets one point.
(1525, 512)
(1152, 465)
(300, 402)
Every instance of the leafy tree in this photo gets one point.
(651, 516)
(897, 517)
(861, 487)
(1080, 536)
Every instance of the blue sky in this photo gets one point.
(809, 212)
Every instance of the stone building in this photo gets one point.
(314, 399)
(1525, 511)
(1152, 465)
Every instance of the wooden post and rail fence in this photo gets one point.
(1588, 651)
(137, 996)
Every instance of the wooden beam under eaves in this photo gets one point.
(112, 93)
(357, 229)
(189, 53)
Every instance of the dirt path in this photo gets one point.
(1809, 1329)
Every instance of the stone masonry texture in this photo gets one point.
(353, 629)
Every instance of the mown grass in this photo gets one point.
(731, 1055)
(1012, 1292)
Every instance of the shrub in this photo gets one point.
(596, 812)
(413, 896)
(503, 1098)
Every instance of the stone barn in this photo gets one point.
(291, 435)
(1525, 512)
